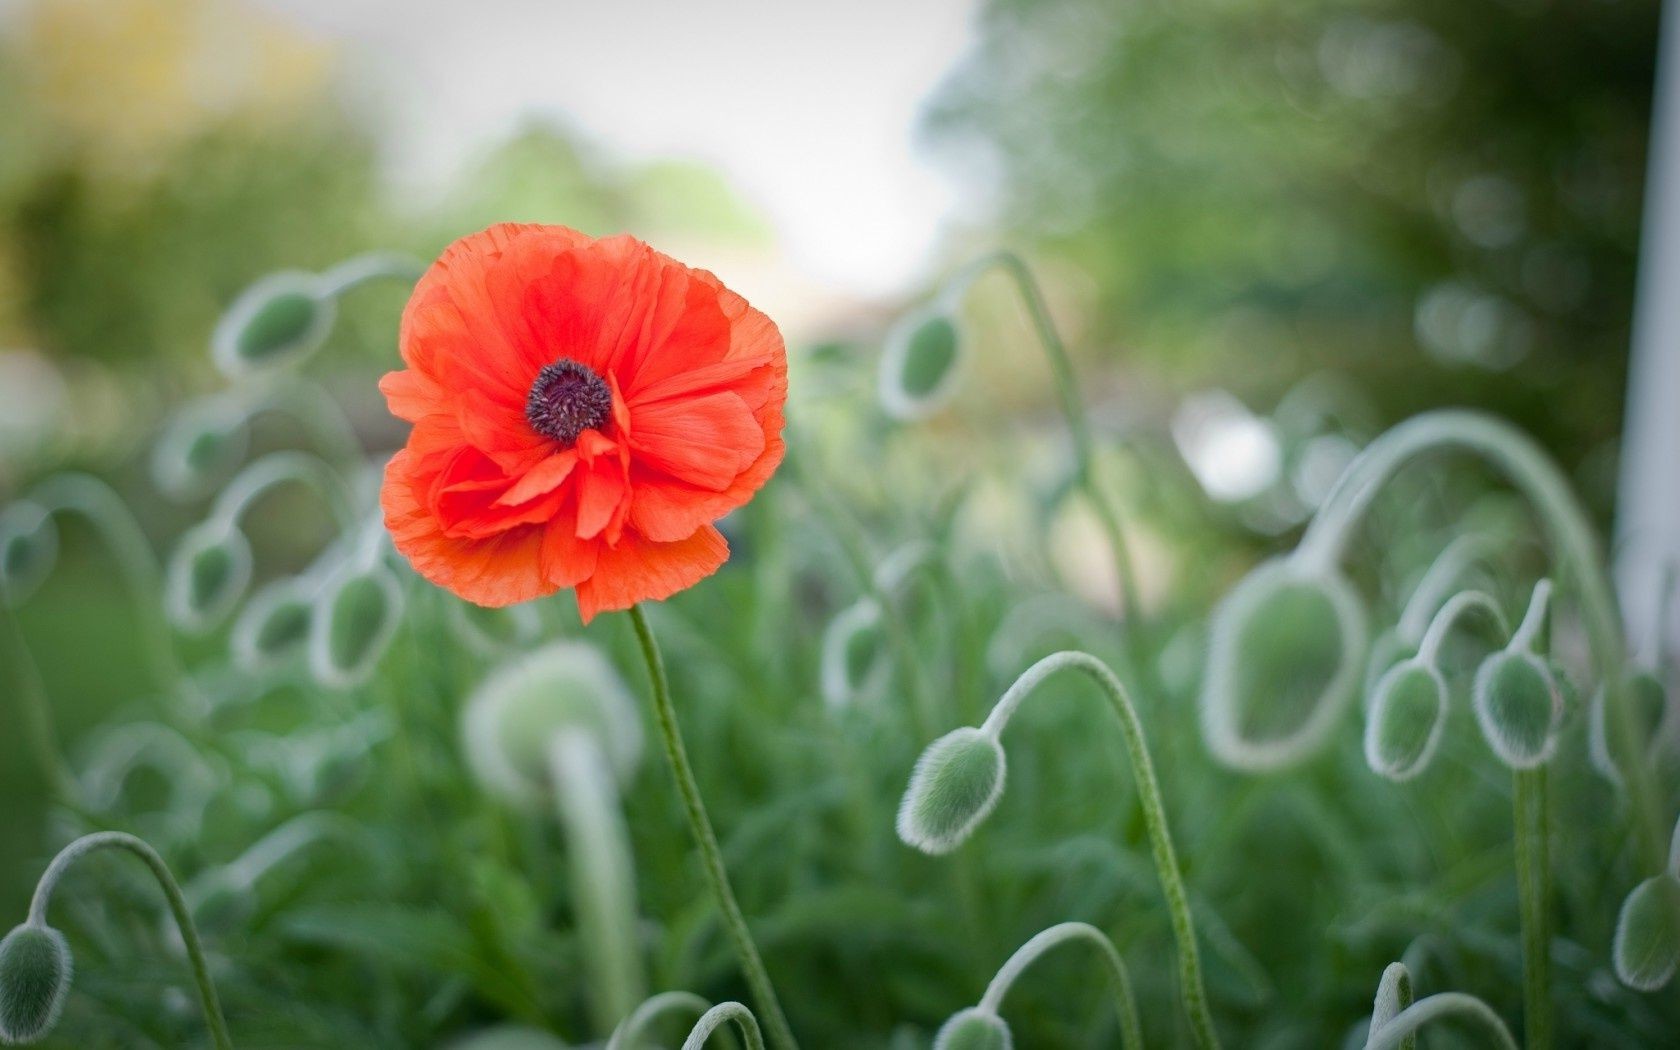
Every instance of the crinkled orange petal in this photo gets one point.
(640, 570)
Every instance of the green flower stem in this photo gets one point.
(99, 505)
(1078, 424)
(1529, 802)
(1569, 533)
(1154, 817)
(1434, 1007)
(706, 840)
(373, 266)
(279, 468)
(628, 1034)
(1131, 1029)
(1447, 617)
(177, 906)
(313, 408)
(31, 699)
(720, 1015)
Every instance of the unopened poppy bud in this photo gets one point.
(852, 661)
(1518, 707)
(35, 966)
(1394, 994)
(359, 614)
(1407, 714)
(1646, 699)
(198, 449)
(919, 364)
(954, 786)
(513, 717)
(28, 550)
(282, 317)
(207, 575)
(1285, 654)
(1647, 945)
(274, 626)
(974, 1029)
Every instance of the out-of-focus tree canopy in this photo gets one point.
(1441, 197)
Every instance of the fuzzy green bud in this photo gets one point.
(207, 575)
(281, 318)
(274, 626)
(28, 550)
(198, 449)
(1406, 716)
(956, 783)
(974, 1029)
(35, 968)
(919, 364)
(1518, 707)
(358, 616)
(1647, 945)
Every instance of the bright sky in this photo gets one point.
(810, 110)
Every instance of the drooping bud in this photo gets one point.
(919, 364)
(852, 661)
(35, 968)
(1403, 724)
(207, 575)
(28, 550)
(513, 716)
(956, 783)
(281, 318)
(1647, 945)
(974, 1029)
(1519, 707)
(198, 449)
(359, 613)
(274, 626)
(1285, 654)
(1647, 700)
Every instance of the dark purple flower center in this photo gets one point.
(567, 399)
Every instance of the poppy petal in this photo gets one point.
(641, 570)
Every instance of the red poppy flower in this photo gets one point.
(583, 411)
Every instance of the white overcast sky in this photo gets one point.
(809, 109)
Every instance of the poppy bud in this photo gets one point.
(852, 661)
(919, 364)
(274, 626)
(1394, 994)
(28, 550)
(198, 449)
(1647, 944)
(1408, 711)
(207, 575)
(359, 614)
(1285, 653)
(1518, 707)
(954, 786)
(974, 1029)
(513, 717)
(282, 317)
(35, 966)
(1645, 694)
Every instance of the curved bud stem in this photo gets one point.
(705, 839)
(1439, 581)
(1534, 620)
(372, 266)
(279, 468)
(1450, 613)
(720, 1015)
(1131, 1030)
(603, 880)
(1154, 815)
(177, 906)
(313, 408)
(1073, 412)
(99, 505)
(628, 1034)
(1569, 534)
(1435, 1007)
(1394, 994)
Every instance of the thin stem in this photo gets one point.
(1528, 632)
(1078, 424)
(705, 839)
(627, 1036)
(278, 468)
(36, 714)
(1154, 817)
(1131, 1029)
(177, 906)
(372, 266)
(1449, 615)
(1530, 813)
(720, 1015)
(1569, 534)
(603, 880)
(314, 408)
(1435, 1007)
(1439, 580)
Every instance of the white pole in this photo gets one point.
(1648, 515)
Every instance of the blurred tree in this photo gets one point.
(1439, 197)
